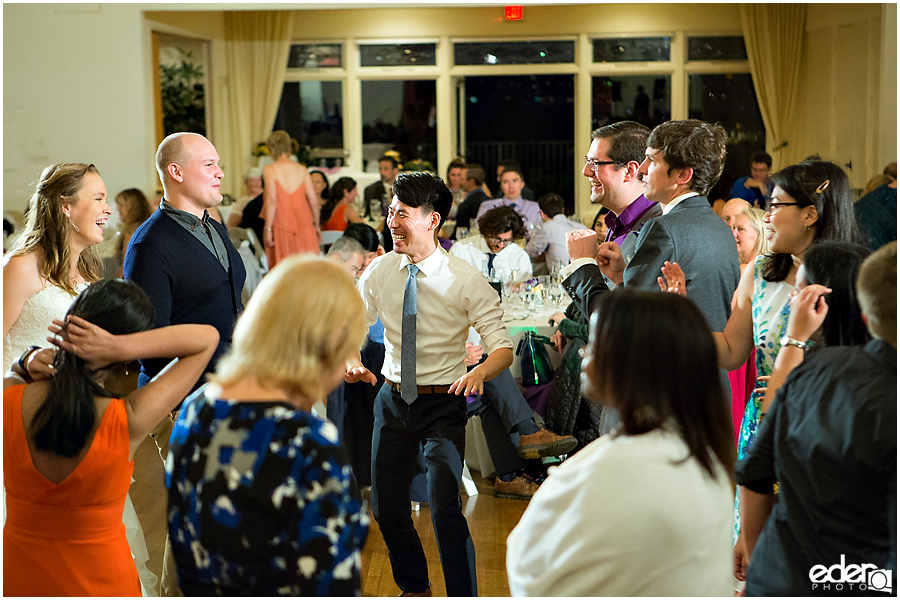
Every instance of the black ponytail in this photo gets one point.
(67, 416)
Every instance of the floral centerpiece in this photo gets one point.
(418, 164)
(396, 156)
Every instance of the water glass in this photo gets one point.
(526, 296)
(375, 208)
(462, 233)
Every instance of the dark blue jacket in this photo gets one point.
(185, 282)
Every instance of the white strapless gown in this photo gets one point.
(30, 329)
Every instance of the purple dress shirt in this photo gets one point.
(621, 225)
(528, 209)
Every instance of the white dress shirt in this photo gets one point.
(667, 208)
(550, 239)
(474, 250)
(451, 297)
(626, 516)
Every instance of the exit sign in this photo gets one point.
(513, 13)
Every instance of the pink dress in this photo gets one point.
(293, 228)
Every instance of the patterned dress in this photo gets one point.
(262, 502)
(770, 310)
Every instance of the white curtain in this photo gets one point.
(773, 34)
(257, 44)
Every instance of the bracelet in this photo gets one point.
(268, 229)
(789, 341)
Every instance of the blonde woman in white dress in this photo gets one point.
(48, 264)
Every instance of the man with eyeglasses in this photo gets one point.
(510, 430)
(500, 228)
(682, 162)
(611, 166)
(511, 184)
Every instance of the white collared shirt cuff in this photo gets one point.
(575, 265)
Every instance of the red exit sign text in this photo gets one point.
(513, 13)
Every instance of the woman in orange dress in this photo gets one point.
(290, 209)
(68, 446)
(337, 212)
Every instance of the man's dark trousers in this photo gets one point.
(438, 420)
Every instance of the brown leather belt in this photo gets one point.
(422, 389)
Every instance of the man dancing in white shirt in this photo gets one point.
(423, 399)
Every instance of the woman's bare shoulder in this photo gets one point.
(23, 269)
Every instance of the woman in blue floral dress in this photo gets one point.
(262, 500)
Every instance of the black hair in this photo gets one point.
(500, 220)
(326, 193)
(655, 361)
(552, 204)
(836, 265)
(424, 190)
(805, 182)
(761, 157)
(364, 234)
(344, 184)
(510, 164)
(390, 159)
(600, 214)
(67, 416)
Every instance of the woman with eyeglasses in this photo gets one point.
(811, 202)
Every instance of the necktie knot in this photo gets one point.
(413, 270)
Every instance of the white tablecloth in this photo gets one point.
(477, 455)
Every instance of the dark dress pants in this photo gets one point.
(438, 420)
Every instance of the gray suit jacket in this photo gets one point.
(694, 236)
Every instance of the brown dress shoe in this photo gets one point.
(545, 443)
(522, 487)
(425, 594)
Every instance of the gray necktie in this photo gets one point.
(408, 390)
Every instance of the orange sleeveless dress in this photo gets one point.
(67, 539)
(336, 222)
(293, 228)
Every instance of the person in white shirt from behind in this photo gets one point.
(647, 509)
(549, 240)
(495, 247)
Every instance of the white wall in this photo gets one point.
(75, 89)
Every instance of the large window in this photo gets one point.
(311, 112)
(646, 99)
(730, 101)
(401, 115)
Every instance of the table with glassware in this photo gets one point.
(527, 306)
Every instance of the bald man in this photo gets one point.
(187, 265)
(179, 256)
(733, 208)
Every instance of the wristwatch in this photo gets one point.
(789, 341)
(23, 359)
